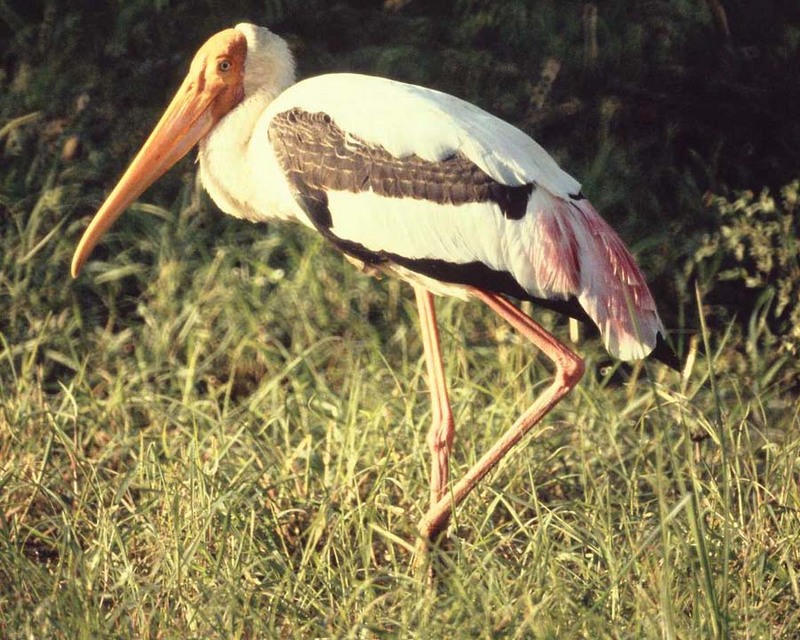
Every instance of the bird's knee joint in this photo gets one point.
(440, 437)
(572, 370)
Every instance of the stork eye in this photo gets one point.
(224, 65)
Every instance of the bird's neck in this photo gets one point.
(238, 167)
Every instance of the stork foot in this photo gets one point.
(432, 539)
(421, 565)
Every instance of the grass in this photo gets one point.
(218, 431)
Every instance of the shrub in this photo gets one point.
(751, 264)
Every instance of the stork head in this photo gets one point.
(230, 65)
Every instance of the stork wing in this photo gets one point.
(408, 173)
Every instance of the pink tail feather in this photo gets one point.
(613, 290)
(575, 252)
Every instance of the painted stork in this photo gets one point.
(410, 181)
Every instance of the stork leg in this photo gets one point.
(569, 369)
(440, 435)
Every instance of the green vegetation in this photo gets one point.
(762, 237)
(218, 430)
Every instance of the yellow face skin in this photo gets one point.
(213, 86)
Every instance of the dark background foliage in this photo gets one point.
(652, 104)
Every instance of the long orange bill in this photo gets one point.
(186, 121)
